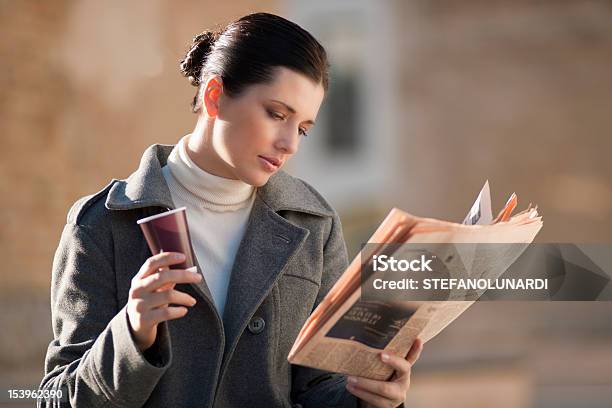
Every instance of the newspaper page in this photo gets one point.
(346, 333)
(351, 339)
(481, 213)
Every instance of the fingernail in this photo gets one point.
(179, 257)
(385, 357)
(352, 380)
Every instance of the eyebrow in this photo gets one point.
(290, 109)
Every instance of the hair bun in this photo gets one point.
(191, 65)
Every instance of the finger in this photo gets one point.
(158, 299)
(165, 287)
(156, 316)
(158, 279)
(370, 398)
(401, 366)
(161, 260)
(386, 389)
(415, 351)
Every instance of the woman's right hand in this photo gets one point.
(151, 292)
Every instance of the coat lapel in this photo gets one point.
(147, 188)
(268, 244)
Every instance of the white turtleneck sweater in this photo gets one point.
(217, 212)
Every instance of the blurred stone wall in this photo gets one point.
(518, 92)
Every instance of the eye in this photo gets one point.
(278, 116)
(275, 115)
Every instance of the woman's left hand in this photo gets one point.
(386, 394)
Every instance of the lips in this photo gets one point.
(272, 160)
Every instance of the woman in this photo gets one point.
(269, 248)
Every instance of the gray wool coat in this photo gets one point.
(291, 254)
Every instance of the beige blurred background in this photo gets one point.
(429, 99)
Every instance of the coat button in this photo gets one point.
(256, 325)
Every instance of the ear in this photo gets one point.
(212, 91)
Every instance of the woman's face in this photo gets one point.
(255, 133)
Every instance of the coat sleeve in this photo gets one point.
(93, 359)
(313, 388)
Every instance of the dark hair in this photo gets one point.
(247, 50)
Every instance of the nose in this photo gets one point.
(287, 142)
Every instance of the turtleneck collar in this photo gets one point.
(214, 192)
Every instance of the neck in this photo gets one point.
(191, 183)
(201, 150)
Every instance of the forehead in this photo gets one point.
(294, 89)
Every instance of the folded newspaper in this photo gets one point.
(338, 335)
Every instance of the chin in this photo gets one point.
(260, 181)
(256, 180)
